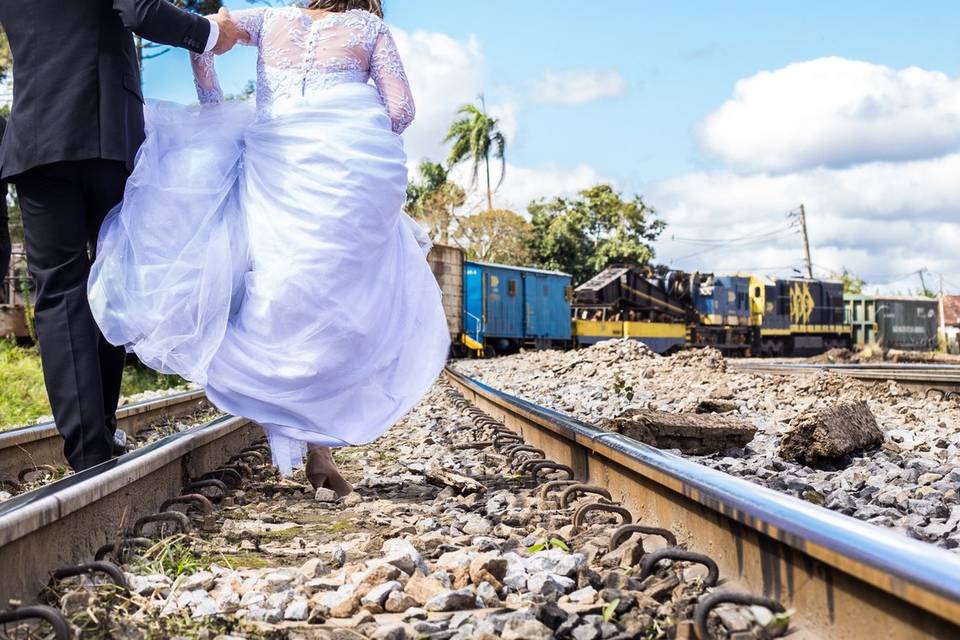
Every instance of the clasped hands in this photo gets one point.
(230, 33)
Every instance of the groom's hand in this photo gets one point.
(230, 33)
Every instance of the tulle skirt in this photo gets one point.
(268, 260)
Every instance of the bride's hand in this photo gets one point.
(230, 33)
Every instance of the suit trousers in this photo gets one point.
(63, 206)
(5, 246)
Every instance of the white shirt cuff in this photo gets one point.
(214, 35)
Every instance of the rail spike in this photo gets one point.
(570, 493)
(581, 513)
(620, 535)
(180, 519)
(709, 602)
(649, 562)
(53, 617)
(108, 569)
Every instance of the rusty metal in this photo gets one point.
(196, 499)
(125, 544)
(26, 447)
(535, 468)
(525, 448)
(177, 518)
(583, 510)
(479, 444)
(547, 487)
(574, 490)
(710, 601)
(246, 457)
(649, 562)
(108, 569)
(235, 479)
(845, 578)
(620, 535)
(67, 521)
(210, 483)
(500, 438)
(243, 470)
(509, 449)
(53, 617)
(22, 476)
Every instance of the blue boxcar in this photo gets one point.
(508, 307)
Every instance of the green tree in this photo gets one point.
(498, 235)
(852, 285)
(586, 234)
(433, 199)
(476, 137)
(6, 57)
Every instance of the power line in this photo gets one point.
(759, 239)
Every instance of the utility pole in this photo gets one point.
(923, 284)
(806, 238)
(943, 323)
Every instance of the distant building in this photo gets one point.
(951, 320)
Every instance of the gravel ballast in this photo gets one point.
(907, 480)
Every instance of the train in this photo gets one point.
(498, 309)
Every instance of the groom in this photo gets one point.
(75, 127)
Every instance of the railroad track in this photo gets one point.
(65, 523)
(845, 578)
(39, 448)
(943, 377)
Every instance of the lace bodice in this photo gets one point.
(300, 55)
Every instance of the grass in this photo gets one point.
(23, 397)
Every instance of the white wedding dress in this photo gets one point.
(263, 253)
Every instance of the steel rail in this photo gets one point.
(943, 376)
(844, 577)
(64, 523)
(29, 447)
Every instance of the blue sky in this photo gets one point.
(676, 64)
(680, 61)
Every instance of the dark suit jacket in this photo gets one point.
(76, 91)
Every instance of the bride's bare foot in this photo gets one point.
(322, 471)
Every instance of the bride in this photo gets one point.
(263, 253)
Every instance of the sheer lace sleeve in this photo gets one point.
(250, 21)
(387, 72)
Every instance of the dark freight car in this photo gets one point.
(907, 323)
(894, 322)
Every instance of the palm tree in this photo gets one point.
(476, 136)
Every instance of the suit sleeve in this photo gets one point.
(163, 23)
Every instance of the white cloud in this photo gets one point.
(446, 73)
(578, 87)
(873, 153)
(882, 220)
(835, 112)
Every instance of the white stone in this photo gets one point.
(278, 580)
(325, 495)
(587, 595)
(378, 595)
(403, 555)
(299, 609)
